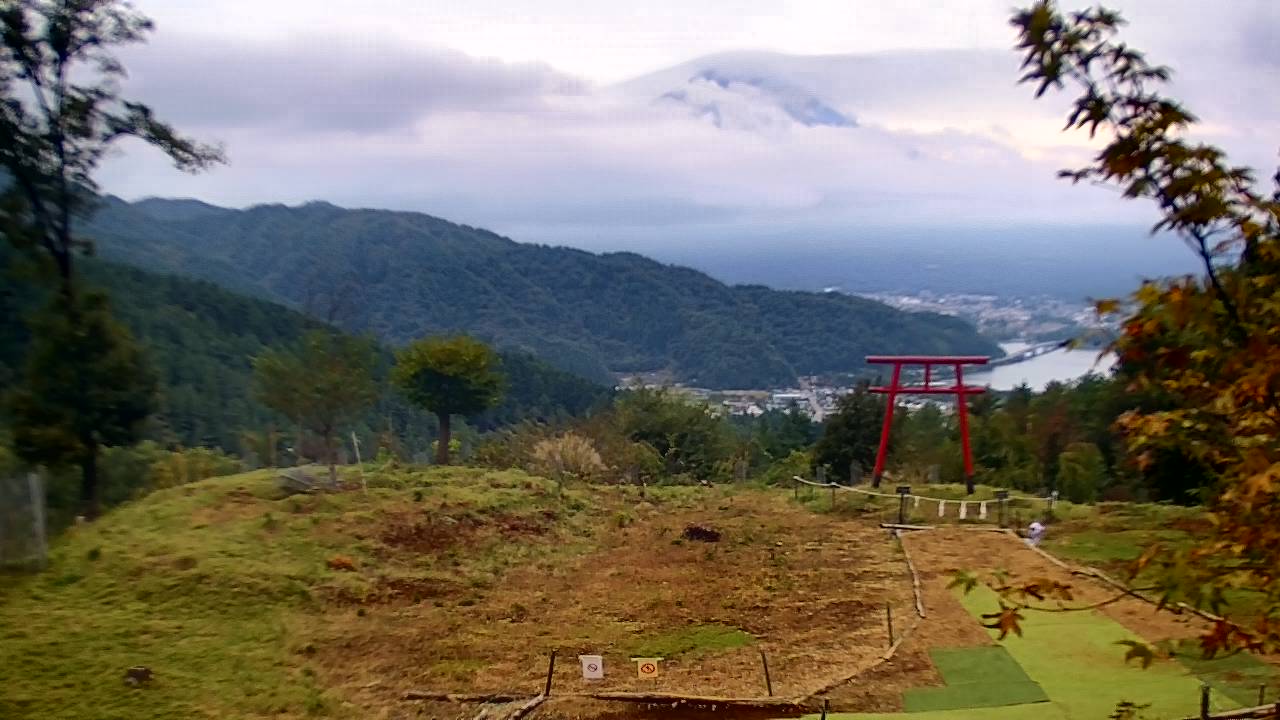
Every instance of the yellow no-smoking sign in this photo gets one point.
(647, 667)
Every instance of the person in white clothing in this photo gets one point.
(1035, 533)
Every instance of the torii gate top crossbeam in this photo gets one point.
(928, 359)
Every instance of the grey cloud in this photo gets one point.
(327, 84)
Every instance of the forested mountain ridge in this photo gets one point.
(201, 339)
(402, 275)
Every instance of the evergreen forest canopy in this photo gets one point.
(401, 276)
(201, 340)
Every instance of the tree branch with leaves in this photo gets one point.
(61, 112)
(1210, 343)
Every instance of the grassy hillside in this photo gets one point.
(202, 339)
(403, 275)
(245, 603)
(210, 586)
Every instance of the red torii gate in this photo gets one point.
(960, 390)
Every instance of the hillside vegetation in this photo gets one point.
(244, 602)
(403, 275)
(201, 339)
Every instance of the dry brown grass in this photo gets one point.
(811, 594)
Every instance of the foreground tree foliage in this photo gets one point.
(449, 376)
(61, 112)
(323, 384)
(1209, 345)
(87, 386)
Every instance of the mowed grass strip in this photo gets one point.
(975, 678)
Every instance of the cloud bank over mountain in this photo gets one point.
(736, 141)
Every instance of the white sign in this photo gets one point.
(592, 667)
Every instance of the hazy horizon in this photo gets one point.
(741, 128)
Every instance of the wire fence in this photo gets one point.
(23, 538)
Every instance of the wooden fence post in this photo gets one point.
(768, 682)
(903, 492)
(888, 617)
(551, 668)
(1204, 702)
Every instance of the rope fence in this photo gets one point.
(914, 505)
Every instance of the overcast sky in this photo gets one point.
(608, 125)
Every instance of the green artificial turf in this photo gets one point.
(1077, 660)
(979, 677)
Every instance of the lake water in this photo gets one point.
(1060, 365)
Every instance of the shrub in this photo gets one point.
(511, 447)
(568, 456)
(781, 472)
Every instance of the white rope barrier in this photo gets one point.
(982, 503)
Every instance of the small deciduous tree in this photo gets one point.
(449, 376)
(322, 384)
(87, 386)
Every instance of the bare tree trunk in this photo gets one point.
(442, 442)
(89, 482)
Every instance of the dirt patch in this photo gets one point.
(700, 533)
(947, 624)
(432, 533)
(428, 534)
(811, 591)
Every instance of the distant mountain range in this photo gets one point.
(403, 275)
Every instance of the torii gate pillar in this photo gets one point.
(896, 388)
